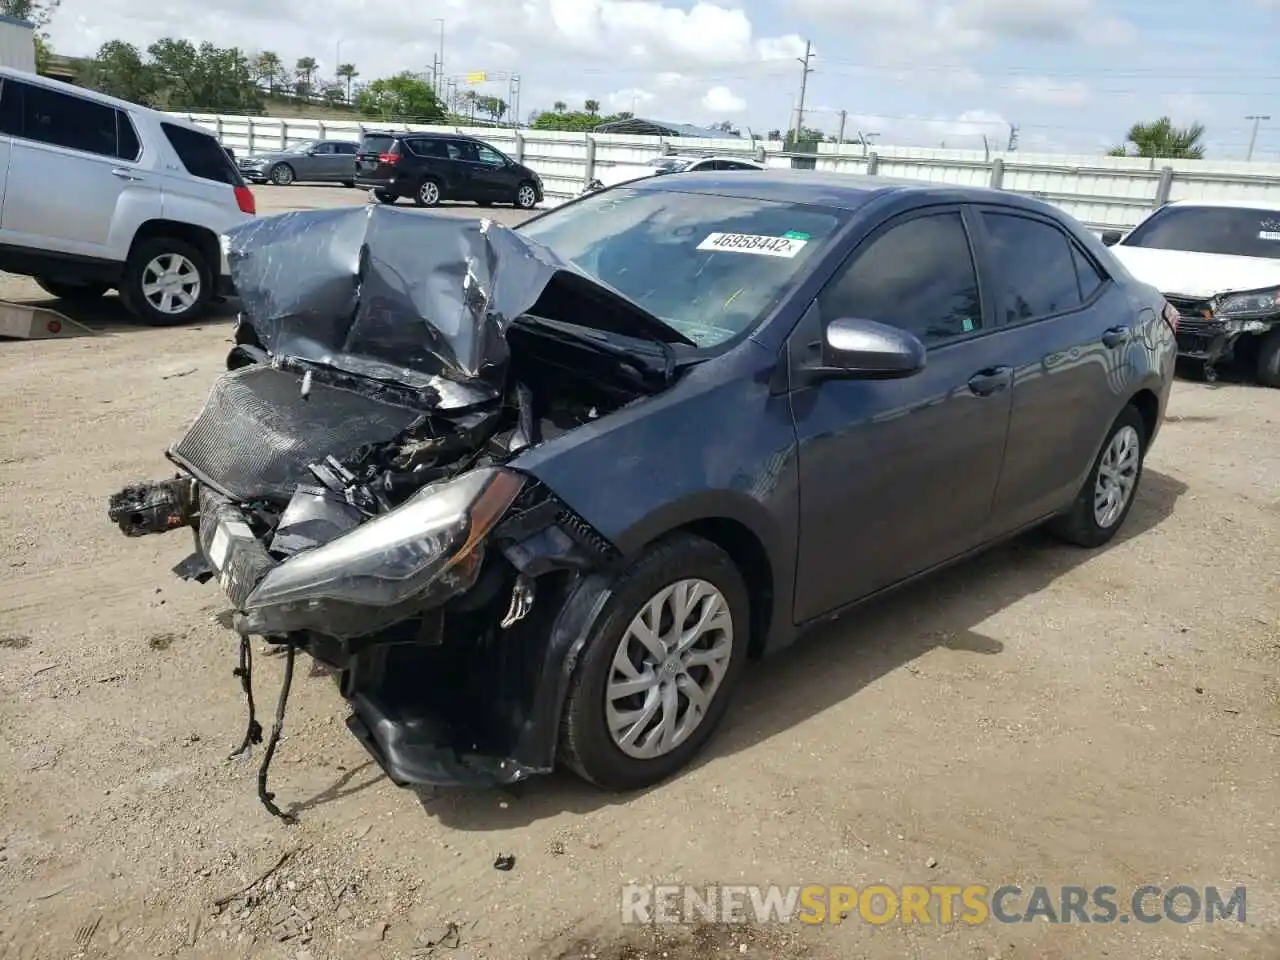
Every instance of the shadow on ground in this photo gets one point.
(702, 942)
(837, 661)
(108, 315)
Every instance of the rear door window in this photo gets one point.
(201, 155)
(1035, 267)
(463, 150)
(48, 116)
(128, 147)
(345, 149)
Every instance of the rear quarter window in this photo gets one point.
(201, 155)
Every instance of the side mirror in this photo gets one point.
(866, 350)
(1111, 237)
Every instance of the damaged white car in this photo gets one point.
(1218, 263)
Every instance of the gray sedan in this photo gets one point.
(319, 161)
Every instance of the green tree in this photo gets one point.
(304, 71)
(592, 106)
(493, 107)
(333, 94)
(404, 95)
(119, 70)
(575, 120)
(559, 106)
(1161, 138)
(268, 69)
(216, 79)
(348, 73)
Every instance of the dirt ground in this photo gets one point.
(1038, 716)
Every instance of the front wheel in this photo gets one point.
(526, 196)
(1108, 493)
(1269, 359)
(72, 292)
(282, 175)
(659, 667)
(167, 281)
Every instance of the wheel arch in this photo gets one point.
(202, 238)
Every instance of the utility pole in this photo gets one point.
(1013, 138)
(844, 115)
(804, 83)
(439, 60)
(1253, 137)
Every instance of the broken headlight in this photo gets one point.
(1252, 303)
(391, 567)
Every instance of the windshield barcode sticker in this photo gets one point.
(751, 243)
(1269, 235)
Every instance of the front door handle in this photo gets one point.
(984, 383)
(1116, 336)
(124, 174)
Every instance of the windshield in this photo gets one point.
(669, 164)
(1235, 231)
(709, 266)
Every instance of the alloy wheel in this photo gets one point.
(171, 283)
(1117, 476)
(282, 176)
(526, 197)
(429, 193)
(667, 668)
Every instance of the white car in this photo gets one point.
(672, 163)
(1218, 263)
(100, 193)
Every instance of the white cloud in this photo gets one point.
(722, 100)
(633, 99)
(963, 131)
(1044, 90)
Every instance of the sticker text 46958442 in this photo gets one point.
(751, 243)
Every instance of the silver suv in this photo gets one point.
(101, 194)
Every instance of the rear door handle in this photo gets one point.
(984, 383)
(1116, 336)
(124, 174)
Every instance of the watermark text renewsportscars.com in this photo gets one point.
(932, 904)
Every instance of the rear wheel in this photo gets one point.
(427, 194)
(658, 670)
(70, 291)
(167, 281)
(348, 184)
(1269, 359)
(282, 175)
(526, 196)
(1108, 492)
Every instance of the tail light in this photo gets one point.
(244, 199)
(389, 158)
(1170, 314)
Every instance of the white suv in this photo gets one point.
(100, 193)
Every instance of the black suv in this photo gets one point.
(430, 167)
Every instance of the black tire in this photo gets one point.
(384, 196)
(428, 193)
(1268, 372)
(282, 175)
(144, 254)
(72, 292)
(1079, 525)
(348, 184)
(586, 746)
(526, 196)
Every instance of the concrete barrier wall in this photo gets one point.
(1103, 192)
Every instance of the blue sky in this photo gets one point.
(1071, 74)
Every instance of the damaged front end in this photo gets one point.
(1210, 330)
(348, 481)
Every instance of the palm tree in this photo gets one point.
(305, 68)
(347, 72)
(592, 107)
(267, 68)
(559, 106)
(1162, 139)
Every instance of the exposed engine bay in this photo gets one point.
(346, 482)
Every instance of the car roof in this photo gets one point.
(1273, 205)
(845, 191)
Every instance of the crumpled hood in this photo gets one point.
(408, 297)
(1200, 275)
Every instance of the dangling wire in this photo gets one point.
(267, 798)
(252, 733)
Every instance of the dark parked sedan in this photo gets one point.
(544, 501)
